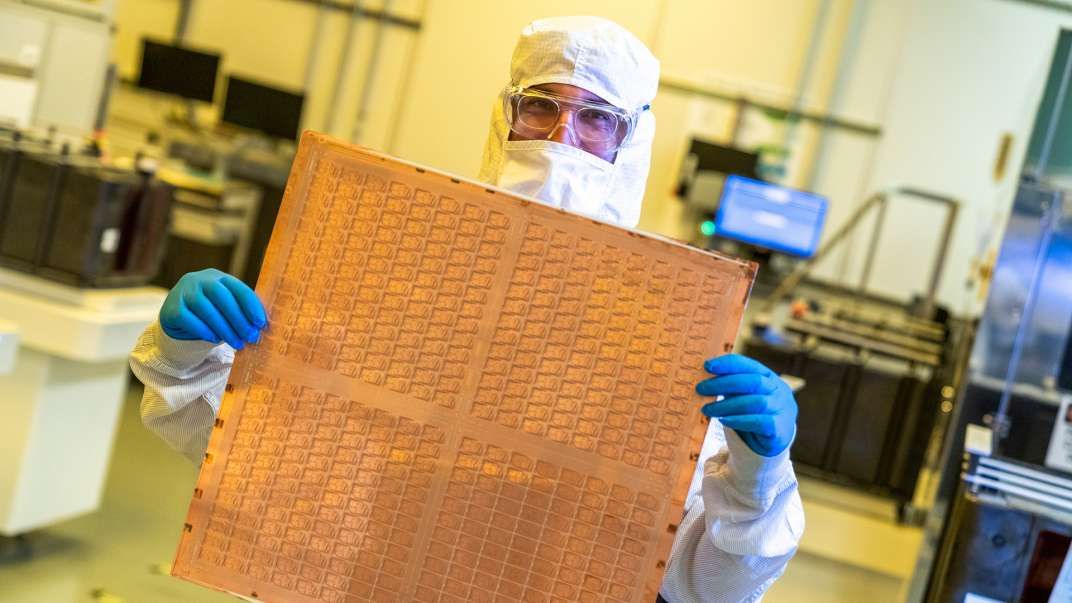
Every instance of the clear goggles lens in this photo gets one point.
(536, 114)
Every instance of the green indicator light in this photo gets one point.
(707, 228)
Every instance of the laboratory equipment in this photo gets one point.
(246, 162)
(69, 218)
(1003, 517)
(705, 168)
(771, 217)
(178, 70)
(256, 106)
(213, 223)
(874, 369)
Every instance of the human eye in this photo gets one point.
(598, 118)
(538, 105)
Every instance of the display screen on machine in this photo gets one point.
(771, 216)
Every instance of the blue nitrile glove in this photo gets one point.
(757, 404)
(213, 306)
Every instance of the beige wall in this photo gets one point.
(759, 43)
(450, 72)
(434, 88)
(271, 41)
(463, 61)
(264, 38)
(137, 18)
(755, 47)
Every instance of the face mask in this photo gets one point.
(560, 176)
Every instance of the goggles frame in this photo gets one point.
(513, 94)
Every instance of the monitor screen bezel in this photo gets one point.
(143, 84)
(768, 243)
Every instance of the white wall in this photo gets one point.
(754, 48)
(970, 70)
(754, 44)
(843, 170)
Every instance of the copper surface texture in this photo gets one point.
(462, 395)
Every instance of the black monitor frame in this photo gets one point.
(257, 106)
(178, 70)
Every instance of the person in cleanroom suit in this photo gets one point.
(573, 128)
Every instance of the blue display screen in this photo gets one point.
(770, 216)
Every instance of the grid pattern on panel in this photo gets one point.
(597, 348)
(462, 396)
(321, 496)
(514, 528)
(387, 283)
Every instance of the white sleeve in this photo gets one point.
(184, 381)
(743, 522)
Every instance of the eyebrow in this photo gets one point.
(589, 97)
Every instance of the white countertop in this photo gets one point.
(88, 325)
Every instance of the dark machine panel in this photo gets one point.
(33, 189)
(71, 242)
(1011, 520)
(1001, 553)
(68, 219)
(861, 423)
(867, 424)
(989, 553)
(818, 409)
(1064, 375)
(184, 255)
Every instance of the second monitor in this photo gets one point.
(178, 70)
(256, 106)
(770, 216)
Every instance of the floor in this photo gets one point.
(814, 579)
(122, 553)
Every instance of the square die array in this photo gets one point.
(515, 528)
(387, 283)
(462, 396)
(597, 348)
(321, 495)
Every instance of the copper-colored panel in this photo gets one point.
(462, 396)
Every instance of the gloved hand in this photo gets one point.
(213, 306)
(756, 403)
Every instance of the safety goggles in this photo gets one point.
(600, 128)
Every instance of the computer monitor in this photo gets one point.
(770, 216)
(256, 106)
(178, 70)
(704, 170)
(711, 157)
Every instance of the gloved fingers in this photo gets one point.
(738, 406)
(735, 364)
(203, 309)
(247, 299)
(180, 323)
(737, 384)
(761, 425)
(224, 301)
